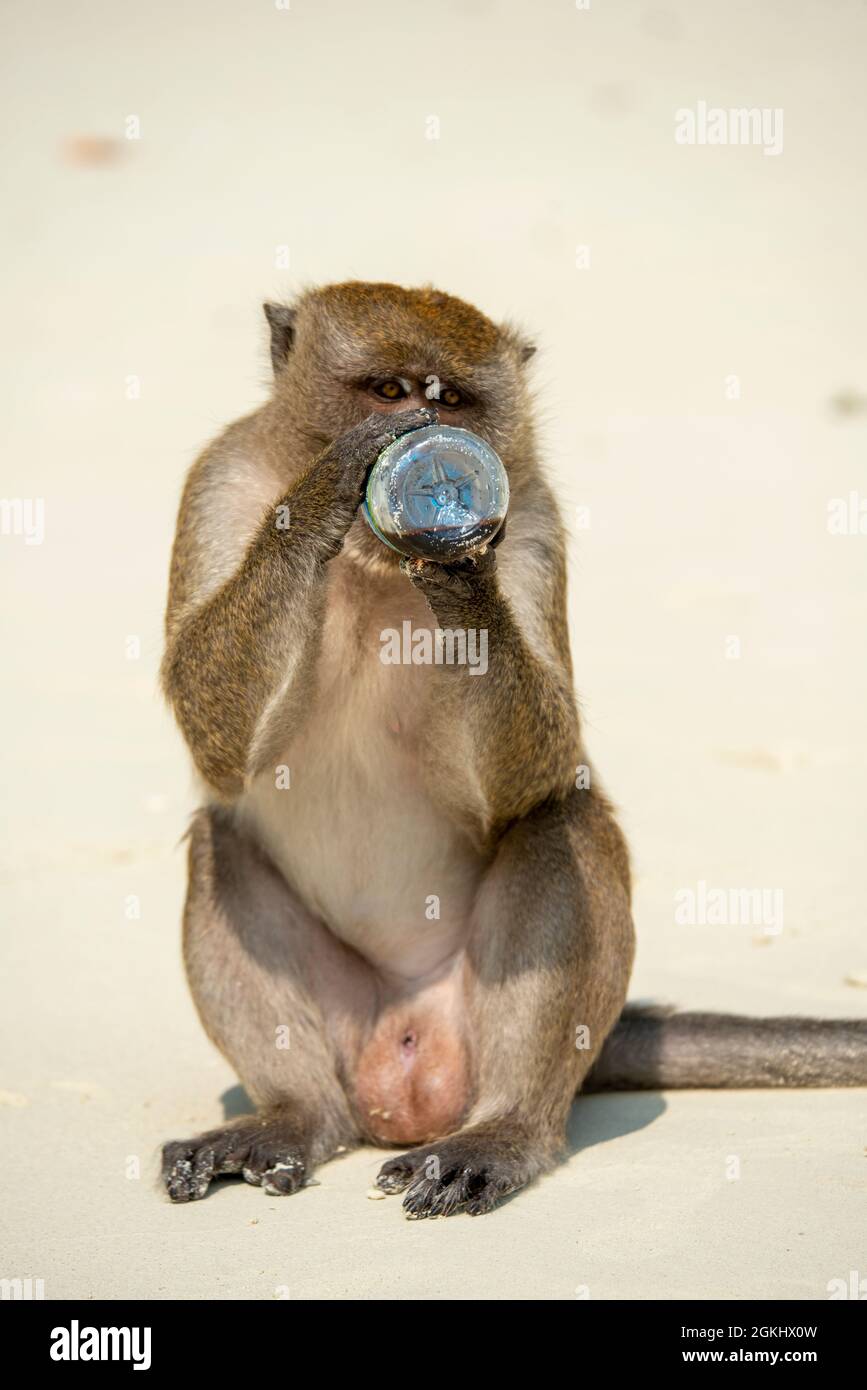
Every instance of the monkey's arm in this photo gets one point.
(521, 711)
(241, 653)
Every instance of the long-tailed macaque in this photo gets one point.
(408, 916)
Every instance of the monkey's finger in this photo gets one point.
(478, 562)
(381, 429)
(358, 449)
(457, 577)
(404, 420)
(415, 568)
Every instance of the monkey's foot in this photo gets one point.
(469, 1172)
(266, 1152)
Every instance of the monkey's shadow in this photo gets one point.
(602, 1116)
(594, 1119)
(236, 1102)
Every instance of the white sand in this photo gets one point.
(708, 520)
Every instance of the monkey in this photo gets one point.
(408, 922)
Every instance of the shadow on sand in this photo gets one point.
(594, 1119)
(235, 1102)
(599, 1118)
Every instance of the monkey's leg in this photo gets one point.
(264, 976)
(549, 960)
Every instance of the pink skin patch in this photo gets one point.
(406, 1093)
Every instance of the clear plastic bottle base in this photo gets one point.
(437, 493)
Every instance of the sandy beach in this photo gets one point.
(702, 387)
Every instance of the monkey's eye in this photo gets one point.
(390, 390)
(451, 396)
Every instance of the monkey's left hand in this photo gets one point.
(458, 591)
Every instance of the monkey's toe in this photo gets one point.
(460, 1174)
(397, 1174)
(264, 1154)
(468, 1189)
(278, 1174)
(440, 1196)
(187, 1170)
(490, 1193)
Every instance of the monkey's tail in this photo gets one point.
(655, 1048)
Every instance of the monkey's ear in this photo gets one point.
(282, 322)
(527, 351)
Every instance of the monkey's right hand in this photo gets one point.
(330, 492)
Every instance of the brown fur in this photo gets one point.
(656, 1048)
(306, 907)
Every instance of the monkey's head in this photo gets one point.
(343, 351)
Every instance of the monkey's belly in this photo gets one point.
(413, 1073)
(369, 855)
